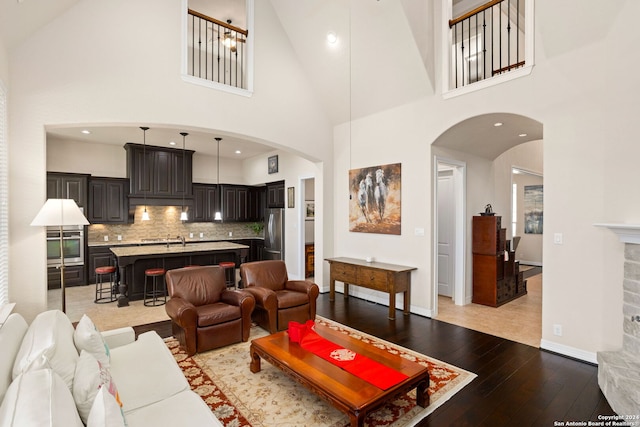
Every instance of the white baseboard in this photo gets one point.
(568, 351)
(378, 298)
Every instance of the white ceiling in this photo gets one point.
(481, 137)
(365, 72)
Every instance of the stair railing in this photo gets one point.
(216, 50)
(487, 41)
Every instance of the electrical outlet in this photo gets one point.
(119, 237)
(201, 235)
(106, 238)
(191, 235)
(557, 238)
(231, 234)
(557, 330)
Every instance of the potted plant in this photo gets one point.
(256, 227)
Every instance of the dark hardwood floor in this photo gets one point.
(517, 385)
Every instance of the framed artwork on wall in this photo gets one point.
(309, 209)
(374, 205)
(291, 197)
(533, 209)
(273, 164)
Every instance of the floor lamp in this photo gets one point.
(58, 213)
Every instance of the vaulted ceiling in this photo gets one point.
(383, 57)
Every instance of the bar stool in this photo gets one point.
(105, 288)
(157, 295)
(229, 268)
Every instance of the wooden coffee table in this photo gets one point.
(343, 390)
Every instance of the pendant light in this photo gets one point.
(183, 214)
(218, 215)
(145, 214)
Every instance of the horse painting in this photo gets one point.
(375, 199)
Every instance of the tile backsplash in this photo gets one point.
(165, 221)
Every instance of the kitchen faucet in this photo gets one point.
(182, 240)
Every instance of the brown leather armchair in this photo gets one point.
(204, 314)
(278, 299)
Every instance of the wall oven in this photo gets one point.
(72, 243)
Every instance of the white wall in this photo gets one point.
(291, 169)
(530, 248)
(81, 68)
(527, 157)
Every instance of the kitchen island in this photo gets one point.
(132, 261)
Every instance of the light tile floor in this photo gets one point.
(105, 316)
(519, 320)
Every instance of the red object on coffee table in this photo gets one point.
(361, 366)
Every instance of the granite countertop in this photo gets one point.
(115, 243)
(121, 251)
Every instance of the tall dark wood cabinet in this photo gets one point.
(496, 276)
(74, 186)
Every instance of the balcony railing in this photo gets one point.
(487, 41)
(216, 50)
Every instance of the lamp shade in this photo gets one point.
(59, 212)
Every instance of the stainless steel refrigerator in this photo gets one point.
(273, 234)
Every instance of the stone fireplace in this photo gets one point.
(619, 371)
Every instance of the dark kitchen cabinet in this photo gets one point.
(159, 173)
(275, 194)
(205, 203)
(241, 203)
(68, 186)
(74, 275)
(256, 249)
(108, 201)
(257, 203)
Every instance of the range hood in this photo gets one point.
(159, 176)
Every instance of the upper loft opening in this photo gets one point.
(218, 44)
(486, 43)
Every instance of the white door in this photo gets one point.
(446, 233)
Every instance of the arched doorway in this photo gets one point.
(484, 148)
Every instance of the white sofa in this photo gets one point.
(49, 372)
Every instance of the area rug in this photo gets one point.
(270, 398)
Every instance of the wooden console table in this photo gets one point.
(379, 276)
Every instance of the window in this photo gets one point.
(4, 200)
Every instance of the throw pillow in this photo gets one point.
(105, 411)
(48, 343)
(39, 398)
(87, 337)
(90, 377)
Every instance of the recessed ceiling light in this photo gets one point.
(332, 38)
(86, 132)
(498, 124)
(238, 152)
(172, 143)
(522, 135)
